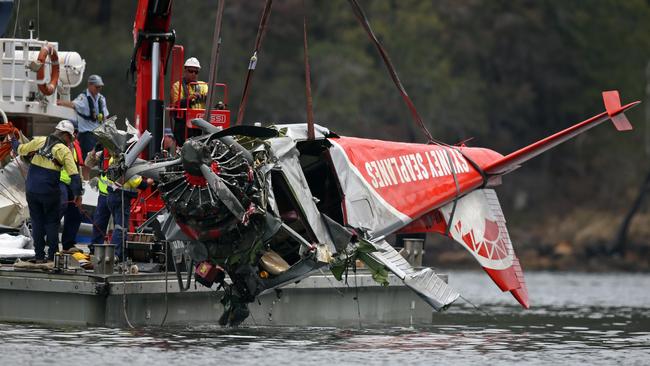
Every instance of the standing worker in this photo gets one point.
(188, 88)
(70, 212)
(119, 203)
(49, 156)
(91, 110)
(102, 212)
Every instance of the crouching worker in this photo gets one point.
(49, 155)
(119, 203)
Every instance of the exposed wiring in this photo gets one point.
(162, 323)
(126, 315)
(478, 309)
(330, 282)
(356, 296)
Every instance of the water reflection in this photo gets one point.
(461, 340)
(565, 326)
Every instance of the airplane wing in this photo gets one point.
(477, 223)
(425, 283)
(614, 111)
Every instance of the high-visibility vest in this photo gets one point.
(129, 186)
(102, 184)
(65, 178)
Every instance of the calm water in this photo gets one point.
(575, 318)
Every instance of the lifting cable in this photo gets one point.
(261, 30)
(310, 106)
(363, 20)
(124, 302)
(214, 60)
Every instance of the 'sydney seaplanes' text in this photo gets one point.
(415, 167)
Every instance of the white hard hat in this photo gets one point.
(192, 62)
(65, 126)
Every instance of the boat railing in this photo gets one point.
(18, 72)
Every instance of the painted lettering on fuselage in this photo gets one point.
(415, 167)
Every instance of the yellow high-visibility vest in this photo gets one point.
(65, 177)
(131, 185)
(102, 184)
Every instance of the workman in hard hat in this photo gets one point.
(70, 212)
(49, 155)
(119, 199)
(102, 213)
(188, 92)
(91, 110)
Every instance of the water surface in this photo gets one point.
(575, 318)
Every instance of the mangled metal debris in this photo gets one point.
(265, 207)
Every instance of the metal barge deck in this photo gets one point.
(98, 300)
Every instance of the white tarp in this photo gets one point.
(12, 246)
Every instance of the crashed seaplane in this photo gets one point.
(268, 206)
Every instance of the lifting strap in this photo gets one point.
(363, 20)
(46, 150)
(93, 114)
(310, 106)
(214, 60)
(261, 30)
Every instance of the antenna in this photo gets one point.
(31, 29)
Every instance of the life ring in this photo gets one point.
(48, 51)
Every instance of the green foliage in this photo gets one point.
(505, 72)
(361, 252)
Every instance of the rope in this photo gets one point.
(478, 309)
(356, 296)
(87, 215)
(126, 315)
(330, 283)
(261, 30)
(17, 17)
(363, 20)
(214, 60)
(162, 323)
(6, 193)
(453, 209)
(310, 107)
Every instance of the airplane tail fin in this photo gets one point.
(614, 111)
(477, 223)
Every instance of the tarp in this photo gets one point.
(15, 246)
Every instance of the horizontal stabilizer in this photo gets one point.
(425, 283)
(614, 111)
(477, 223)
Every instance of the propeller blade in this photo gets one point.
(139, 147)
(247, 130)
(205, 125)
(223, 192)
(149, 170)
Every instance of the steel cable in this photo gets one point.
(261, 30)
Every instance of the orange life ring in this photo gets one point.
(48, 51)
